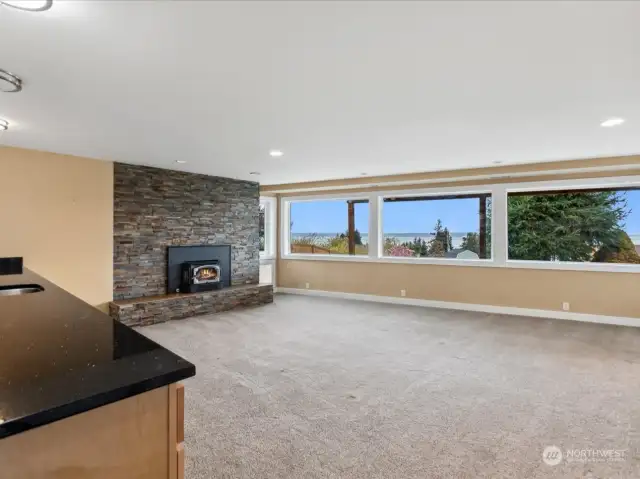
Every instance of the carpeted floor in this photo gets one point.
(323, 388)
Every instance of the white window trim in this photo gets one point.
(499, 247)
(270, 227)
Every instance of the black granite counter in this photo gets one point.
(60, 357)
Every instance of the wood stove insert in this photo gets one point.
(194, 269)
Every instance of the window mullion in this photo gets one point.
(499, 225)
(375, 225)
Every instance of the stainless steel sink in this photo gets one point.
(16, 289)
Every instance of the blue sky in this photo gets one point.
(460, 216)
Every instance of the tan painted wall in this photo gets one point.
(57, 212)
(613, 294)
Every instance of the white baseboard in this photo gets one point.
(483, 308)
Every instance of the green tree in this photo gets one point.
(624, 251)
(356, 236)
(447, 241)
(261, 227)
(442, 241)
(390, 243)
(471, 242)
(564, 226)
(418, 245)
(436, 249)
(487, 239)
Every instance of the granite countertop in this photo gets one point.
(60, 356)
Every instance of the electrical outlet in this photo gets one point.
(566, 306)
(403, 292)
(306, 285)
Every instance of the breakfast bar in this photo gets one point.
(83, 395)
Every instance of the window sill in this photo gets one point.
(540, 265)
(566, 266)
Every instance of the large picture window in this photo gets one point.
(453, 226)
(587, 226)
(591, 224)
(329, 227)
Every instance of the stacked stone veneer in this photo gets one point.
(159, 309)
(155, 208)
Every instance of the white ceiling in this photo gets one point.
(343, 88)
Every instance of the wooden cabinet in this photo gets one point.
(140, 437)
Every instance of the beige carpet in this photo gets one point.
(321, 388)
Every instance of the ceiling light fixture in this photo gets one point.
(28, 5)
(4, 125)
(276, 153)
(9, 83)
(254, 173)
(181, 162)
(612, 122)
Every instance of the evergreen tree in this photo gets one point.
(624, 251)
(447, 241)
(418, 246)
(442, 241)
(356, 236)
(261, 227)
(436, 249)
(471, 242)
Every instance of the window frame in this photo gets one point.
(564, 185)
(435, 194)
(499, 223)
(285, 228)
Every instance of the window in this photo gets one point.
(586, 226)
(329, 227)
(267, 227)
(261, 223)
(454, 226)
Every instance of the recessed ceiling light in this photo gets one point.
(255, 173)
(182, 162)
(9, 83)
(4, 125)
(276, 153)
(28, 5)
(612, 122)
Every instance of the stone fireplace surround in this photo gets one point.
(155, 209)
